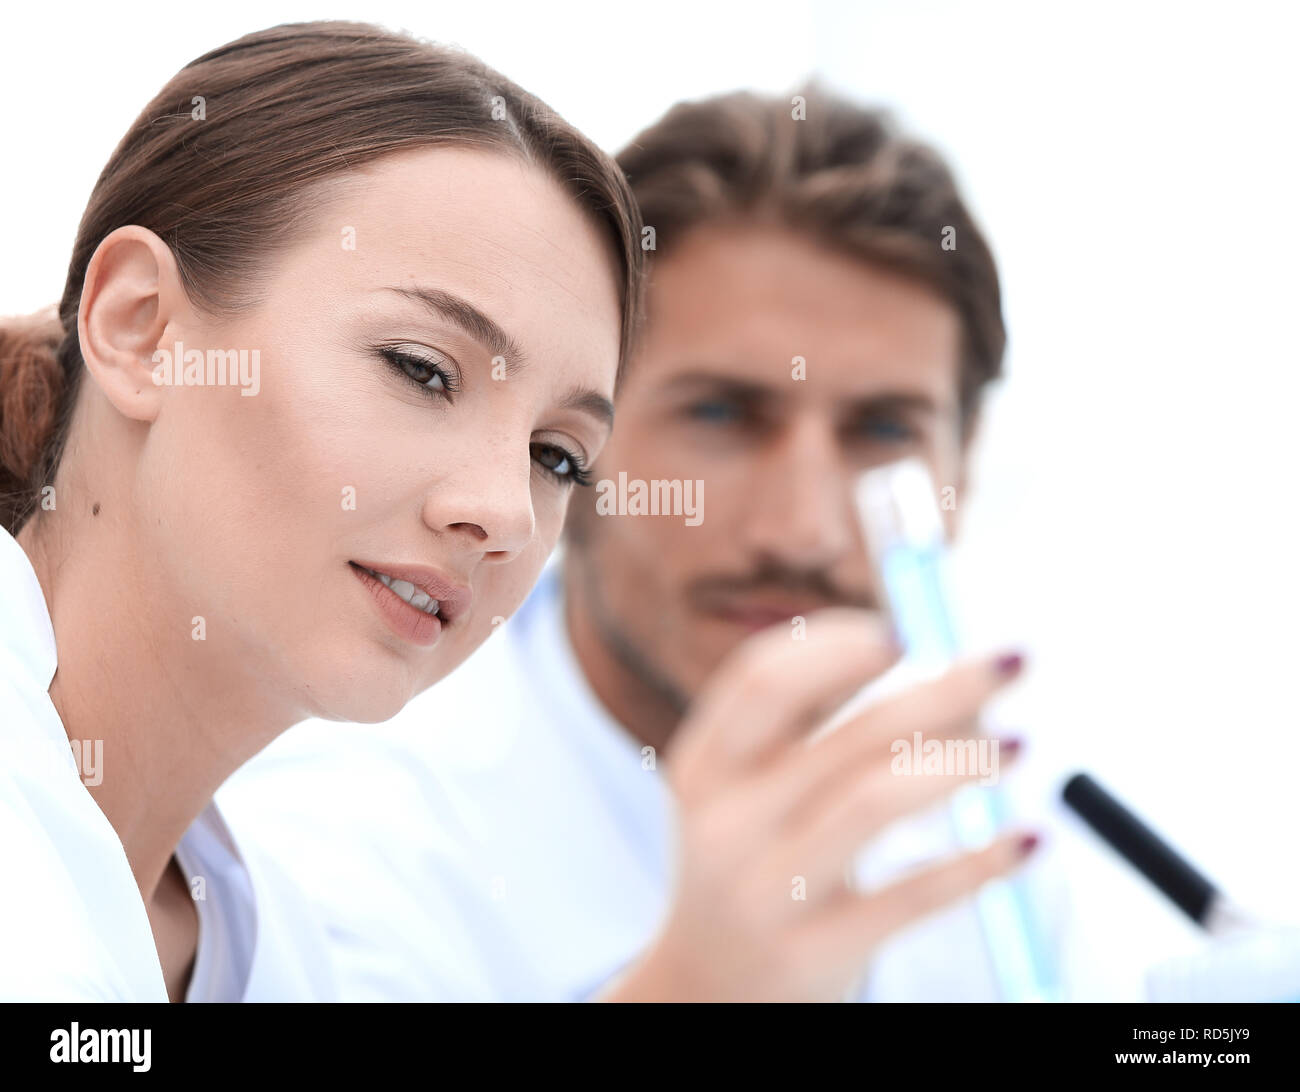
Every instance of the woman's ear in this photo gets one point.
(131, 293)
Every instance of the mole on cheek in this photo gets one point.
(95, 511)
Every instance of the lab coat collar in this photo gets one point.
(26, 632)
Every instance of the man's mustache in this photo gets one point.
(815, 585)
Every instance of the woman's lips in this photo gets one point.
(453, 598)
(408, 622)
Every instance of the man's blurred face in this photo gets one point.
(715, 395)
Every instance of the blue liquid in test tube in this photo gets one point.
(903, 528)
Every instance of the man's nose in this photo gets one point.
(800, 509)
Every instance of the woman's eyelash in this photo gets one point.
(581, 475)
(422, 372)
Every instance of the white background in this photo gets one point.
(1134, 164)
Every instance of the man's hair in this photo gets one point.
(842, 173)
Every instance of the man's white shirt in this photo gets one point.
(503, 838)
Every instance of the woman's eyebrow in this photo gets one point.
(470, 319)
(474, 322)
(590, 402)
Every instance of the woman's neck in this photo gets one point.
(165, 695)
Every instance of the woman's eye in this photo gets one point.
(435, 377)
(553, 459)
(560, 464)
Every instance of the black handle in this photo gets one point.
(1141, 847)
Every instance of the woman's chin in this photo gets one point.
(366, 697)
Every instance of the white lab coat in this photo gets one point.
(503, 839)
(73, 926)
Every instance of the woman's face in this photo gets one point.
(437, 359)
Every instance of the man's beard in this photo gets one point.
(622, 645)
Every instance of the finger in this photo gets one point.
(773, 688)
(837, 830)
(944, 708)
(953, 698)
(862, 921)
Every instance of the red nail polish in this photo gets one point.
(1009, 664)
(1027, 844)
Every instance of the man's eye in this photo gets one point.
(714, 411)
(885, 428)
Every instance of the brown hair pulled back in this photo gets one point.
(223, 163)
